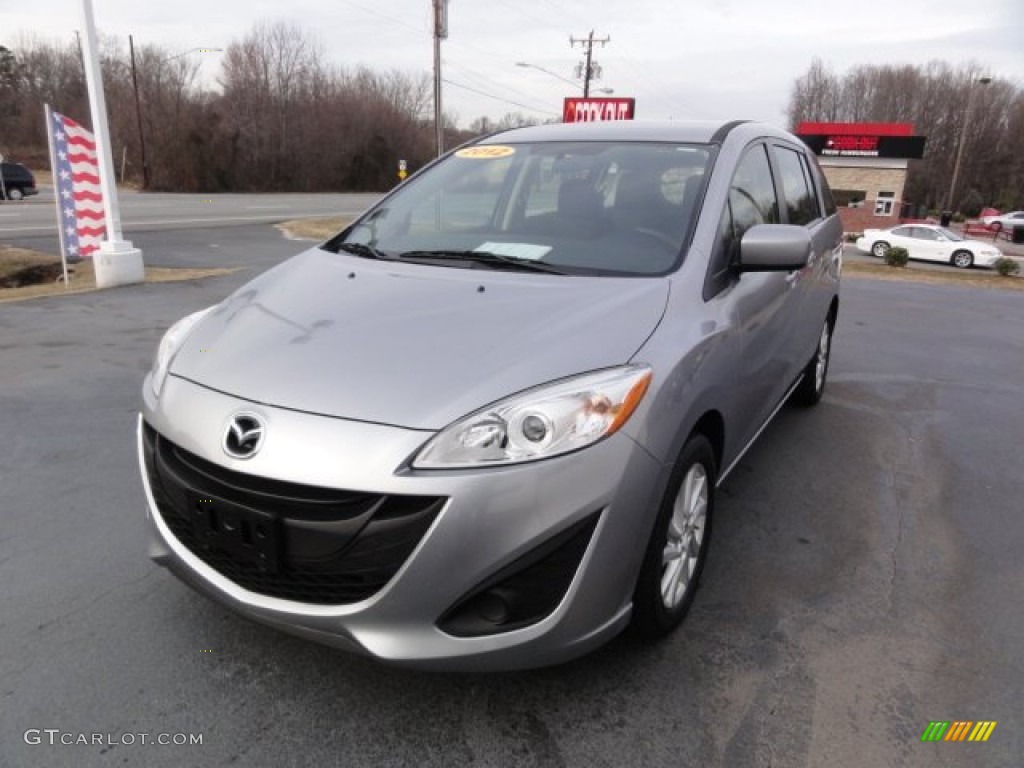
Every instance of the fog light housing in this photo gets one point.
(525, 591)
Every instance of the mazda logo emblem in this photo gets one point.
(244, 436)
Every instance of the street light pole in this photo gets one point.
(962, 141)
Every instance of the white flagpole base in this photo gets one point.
(117, 263)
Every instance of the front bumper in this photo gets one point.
(485, 522)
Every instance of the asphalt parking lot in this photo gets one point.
(864, 577)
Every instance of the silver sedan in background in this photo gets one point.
(483, 427)
(1001, 221)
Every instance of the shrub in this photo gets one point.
(897, 257)
(1006, 266)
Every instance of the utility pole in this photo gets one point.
(440, 33)
(589, 69)
(138, 116)
(963, 139)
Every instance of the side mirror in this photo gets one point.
(774, 248)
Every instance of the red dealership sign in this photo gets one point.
(582, 110)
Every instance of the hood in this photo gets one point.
(978, 245)
(411, 345)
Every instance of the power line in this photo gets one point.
(561, 11)
(646, 75)
(535, 20)
(498, 98)
(393, 19)
(484, 81)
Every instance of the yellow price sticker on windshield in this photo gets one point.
(488, 152)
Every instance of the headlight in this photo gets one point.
(543, 422)
(169, 346)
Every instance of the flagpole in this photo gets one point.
(56, 197)
(116, 261)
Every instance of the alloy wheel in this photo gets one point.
(821, 362)
(686, 529)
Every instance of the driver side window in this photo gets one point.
(752, 193)
(752, 201)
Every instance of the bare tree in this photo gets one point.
(934, 98)
(282, 118)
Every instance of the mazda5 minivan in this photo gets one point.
(483, 426)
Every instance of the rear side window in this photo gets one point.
(826, 192)
(801, 202)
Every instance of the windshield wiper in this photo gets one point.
(492, 260)
(363, 251)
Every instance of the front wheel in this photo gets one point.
(962, 259)
(812, 382)
(880, 248)
(678, 545)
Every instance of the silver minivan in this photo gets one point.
(484, 425)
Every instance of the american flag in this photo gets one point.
(77, 177)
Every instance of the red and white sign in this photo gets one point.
(892, 140)
(577, 109)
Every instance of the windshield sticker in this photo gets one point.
(525, 251)
(485, 152)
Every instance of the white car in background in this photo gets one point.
(1004, 220)
(928, 242)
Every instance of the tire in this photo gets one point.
(678, 546)
(879, 249)
(812, 381)
(962, 259)
(14, 193)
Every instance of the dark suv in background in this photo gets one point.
(18, 181)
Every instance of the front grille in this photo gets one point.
(297, 542)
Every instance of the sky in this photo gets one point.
(699, 59)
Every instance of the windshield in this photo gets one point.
(949, 234)
(584, 208)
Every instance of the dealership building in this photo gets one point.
(866, 167)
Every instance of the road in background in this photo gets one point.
(864, 575)
(150, 211)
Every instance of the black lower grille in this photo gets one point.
(298, 542)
